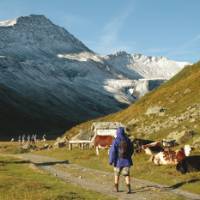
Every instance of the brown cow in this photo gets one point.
(103, 142)
(168, 157)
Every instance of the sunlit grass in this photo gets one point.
(20, 182)
(141, 169)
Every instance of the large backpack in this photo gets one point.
(123, 149)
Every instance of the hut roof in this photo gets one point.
(82, 136)
(107, 125)
(86, 135)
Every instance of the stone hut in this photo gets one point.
(105, 128)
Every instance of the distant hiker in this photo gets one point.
(32, 139)
(23, 138)
(35, 138)
(44, 138)
(19, 139)
(28, 138)
(120, 156)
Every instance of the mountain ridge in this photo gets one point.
(169, 111)
(50, 80)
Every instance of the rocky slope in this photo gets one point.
(49, 80)
(171, 111)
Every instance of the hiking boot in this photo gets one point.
(116, 187)
(129, 188)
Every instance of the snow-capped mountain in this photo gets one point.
(33, 36)
(148, 67)
(49, 80)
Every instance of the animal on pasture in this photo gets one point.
(138, 143)
(152, 149)
(168, 156)
(102, 142)
(189, 164)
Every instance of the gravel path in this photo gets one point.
(102, 182)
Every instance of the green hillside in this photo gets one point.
(172, 108)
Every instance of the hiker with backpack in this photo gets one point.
(120, 157)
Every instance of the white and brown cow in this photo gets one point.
(102, 141)
(152, 149)
(169, 157)
(138, 144)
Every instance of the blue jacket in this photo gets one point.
(113, 154)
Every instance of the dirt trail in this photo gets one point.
(102, 182)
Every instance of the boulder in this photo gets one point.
(192, 120)
(133, 121)
(196, 142)
(186, 91)
(155, 110)
(181, 137)
(26, 146)
(60, 142)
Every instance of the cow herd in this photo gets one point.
(160, 152)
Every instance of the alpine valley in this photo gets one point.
(50, 81)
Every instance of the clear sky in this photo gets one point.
(168, 28)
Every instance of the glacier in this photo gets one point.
(50, 80)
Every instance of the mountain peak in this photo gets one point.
(35, 35)
(145, 66)
(33, 20)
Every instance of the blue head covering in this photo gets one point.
(120, 132)
(121, 135)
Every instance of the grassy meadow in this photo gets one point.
(176, 95)
(20, 180)
(141, 169)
